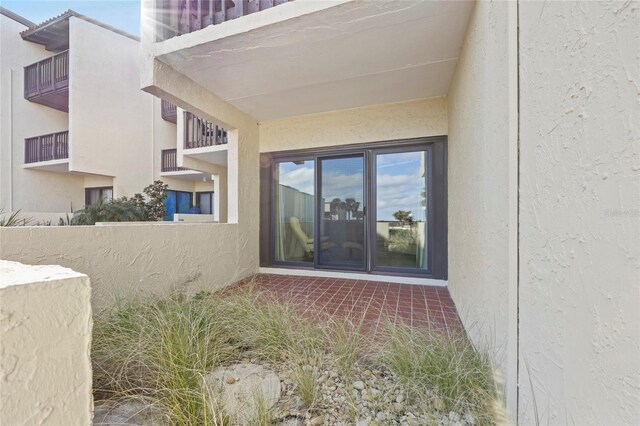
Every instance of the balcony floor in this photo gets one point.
(418, 306)
(56, 99)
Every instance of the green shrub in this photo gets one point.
(108, 211)
(135, 209)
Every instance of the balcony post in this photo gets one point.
(239, 8)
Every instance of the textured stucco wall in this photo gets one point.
(425, 117)
(580, 212)
(26, 189)
(137, 259)
(110, 118)
(482, 186)
(242, 172)
(45, 329)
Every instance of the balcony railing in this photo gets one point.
(47, 76)
(199, 133)
(54, 146)
(177, 17)
(169, 111)
(170, 161)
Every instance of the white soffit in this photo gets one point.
(356, 54)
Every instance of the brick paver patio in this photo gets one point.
(421, 307)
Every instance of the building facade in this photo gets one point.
(75, 125)
(496, 131)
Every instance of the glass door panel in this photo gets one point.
(341, 211)
(401, 208)
(294, 211)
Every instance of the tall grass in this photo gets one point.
(161, 350)
(444, 371)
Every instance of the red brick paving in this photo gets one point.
(421, 307)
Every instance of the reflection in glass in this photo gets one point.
(342, 204)
(294, 211)
(401, 210)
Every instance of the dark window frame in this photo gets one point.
(95, 188)
(437, 193)
(197, 200)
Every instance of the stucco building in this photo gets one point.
(75, 124)
(508, 128)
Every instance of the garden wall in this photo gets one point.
(45, 330)
(137, 259)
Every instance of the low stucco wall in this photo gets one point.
(138, 259)
(45, 330)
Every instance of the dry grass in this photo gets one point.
(446, 372)
(161, 350)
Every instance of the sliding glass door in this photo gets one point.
(341, 207)
(378, 208)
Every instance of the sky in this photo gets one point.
(400, 181)
(121, 14)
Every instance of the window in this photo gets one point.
(176, 202)
(294, 205)
(204, 201)
(93, 195)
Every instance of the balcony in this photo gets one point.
(47, 82)
(177, 17)
(169, 111)
(200, 133)
(170, 161)
(54, 146)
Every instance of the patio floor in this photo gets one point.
(421, 307)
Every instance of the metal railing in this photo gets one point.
(199, 133)
(54, 146)
(170, 161)
(169, 111)
(177, 17)
(47, 76)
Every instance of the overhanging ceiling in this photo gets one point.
(356, 54)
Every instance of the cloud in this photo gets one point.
(300, 178)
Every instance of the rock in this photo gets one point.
(358, 385)
(380, 416)
(400, 398)
(316, 421)
(231, 380)
(292, 421)
(239, 400)
(468, 418)
(362, 423)
(128, 412)
(454, 417)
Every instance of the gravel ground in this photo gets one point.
(369, 396)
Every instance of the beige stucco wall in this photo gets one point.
(482, 187)
(425, 117)
(138, 259)
(580, 212)
(45, 329)
(22, 189)
(110, 118)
